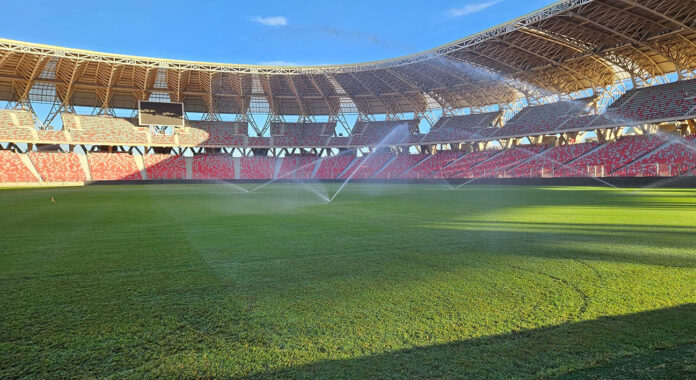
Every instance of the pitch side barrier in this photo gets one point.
(630, 182)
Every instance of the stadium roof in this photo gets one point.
(569, 46)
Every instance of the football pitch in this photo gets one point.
(385, 281)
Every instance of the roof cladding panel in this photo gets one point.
(569, 46)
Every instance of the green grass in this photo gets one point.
(386, 281)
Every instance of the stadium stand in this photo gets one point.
(371, 133)
(214, 133)
(403, 162)
(164, 166)
(103, 130)
(301, 134)
(671, 101)
(609, 157)
(677, 158)
(13, 170)
(367, 165)
(460, 128)
(257, 167)
(16, 125)
(113, 166)
(162, 139)
(500, 163)
(297, 167)
(259, 141)
(58, 167)
(464, 162)
(541, 119)
(550, 161)
(213, 166)
(331, 167)
(432, 164)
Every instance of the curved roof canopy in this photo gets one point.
(569, 46)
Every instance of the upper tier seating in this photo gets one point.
(263, 142)
(672, 101)
(12, 169)
(213, 166)
(16, 126)
(301, 134)
(460, 128)
(214, 133)
(257, 167)
(463, 163)
(502, 162)
(331, 167)
(551, 160)
(609, 157)
(164, 166)
(403, 162)
(674, 159)
(47, 135)
(113, 166)
(371, 133)
(58, 167)
(539, 119)
(432, 164)
(163, 139)
(104, 130)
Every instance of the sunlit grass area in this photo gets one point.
(385, 281)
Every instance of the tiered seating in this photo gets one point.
(675, 159)
(12, 169)
(610, 157)
(264, 142)
(402, 163)
(332, 166)
(672, 101)
(553, 159)
(163, 139)
(297, 167)
(213, 166)
(103, 130)
(339, 141)
(16, 126)
(164, 166)
(466, 162)
(214, 133)
(58, 167)
(367, 166)
(112, 166)
(535, 120)
(371, 133)
(501, 163)
(460, 128)
(432, 164)
(257, 167)
(301, 134)
(52, 136)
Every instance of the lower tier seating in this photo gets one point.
(331, 167)
(257, 167)
(12, 169)
(164, 166)
(113, 167)
(58, 167)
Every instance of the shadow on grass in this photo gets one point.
(656, 344)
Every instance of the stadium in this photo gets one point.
(518, 203)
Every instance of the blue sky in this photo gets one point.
(257, 32)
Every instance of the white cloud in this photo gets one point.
(471, 8)
(271, 20)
